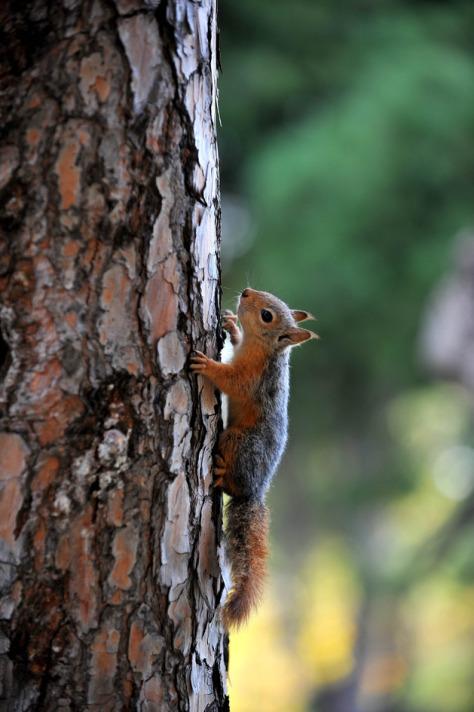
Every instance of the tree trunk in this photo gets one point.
(110, 540)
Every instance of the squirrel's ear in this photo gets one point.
(301, 315)
(295, 336)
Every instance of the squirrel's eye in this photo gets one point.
(266, 316)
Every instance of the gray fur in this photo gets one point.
(261, 447)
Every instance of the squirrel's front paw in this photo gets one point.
(229, 324)
(199, 362)
(229, 320)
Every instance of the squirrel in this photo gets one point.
(249, 450)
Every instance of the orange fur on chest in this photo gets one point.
(248, 363)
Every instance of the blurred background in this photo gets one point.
(348, 182)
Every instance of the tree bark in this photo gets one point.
(110, 538)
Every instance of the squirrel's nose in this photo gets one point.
(245, 293)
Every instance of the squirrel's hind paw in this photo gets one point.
(219, 466)
(219, 471)
(218, 482)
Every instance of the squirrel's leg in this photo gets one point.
(224, 463)
(229, 324)
(222, 375)
(223, 478)
(219, 472)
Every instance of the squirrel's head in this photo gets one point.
(271, 321)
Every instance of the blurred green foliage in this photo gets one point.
(348, 127)
(347, 134)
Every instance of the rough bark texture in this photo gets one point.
(110, 573)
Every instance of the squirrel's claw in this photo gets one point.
(219, 482)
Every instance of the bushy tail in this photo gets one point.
(247, 541)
